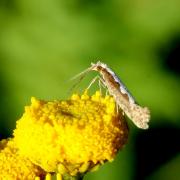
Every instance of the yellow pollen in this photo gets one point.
(14, 166)
(71, 136)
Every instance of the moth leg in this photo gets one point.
(101, 84)
(92, 82)
(107, 92)
(117, 109)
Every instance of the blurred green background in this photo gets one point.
(44, 43)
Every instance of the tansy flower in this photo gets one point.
(15, 167)
(72, 136)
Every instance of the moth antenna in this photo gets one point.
(81, 75)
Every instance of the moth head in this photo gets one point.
(98, 66)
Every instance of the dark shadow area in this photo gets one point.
(154, 148)
(5, 110)
(170, 55)
(8, 4)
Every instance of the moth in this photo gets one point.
(139, 115)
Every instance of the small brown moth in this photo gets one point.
(140, 116)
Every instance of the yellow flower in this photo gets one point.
(72, 136)
(13, 166)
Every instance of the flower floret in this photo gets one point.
(77, 133)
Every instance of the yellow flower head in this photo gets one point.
(13, 166)
(71, 136)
